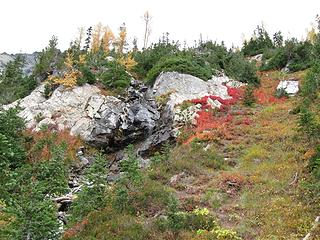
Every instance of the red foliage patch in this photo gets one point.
(234, 93)
(208, 120)
(264, 97)
(74, 230)
(231, 183)
(42, 142)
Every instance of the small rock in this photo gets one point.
(176, 178)
(291, 87)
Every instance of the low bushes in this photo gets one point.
(181, 65)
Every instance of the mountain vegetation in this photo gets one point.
(248, 170)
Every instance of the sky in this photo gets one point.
(27, 25)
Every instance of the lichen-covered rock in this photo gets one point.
(66, 108)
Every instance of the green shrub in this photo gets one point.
(109, 224)
(116, 76)
(277, 61)
(217, 58)
(12, 151)
(249, 98)
(148, 58)
(311, 84)
(93, 196)
(87, 76)
(29, 188)
(314, 163)
(134, 193)
(294, 54)
(258, 43)
(48, 60)
(240, 69)
(199, 218)
(181, 65)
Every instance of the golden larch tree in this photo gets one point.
(71, 74)
(312, 35)
(96, 37)
(128, 62)
(107, 39)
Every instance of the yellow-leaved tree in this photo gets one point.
(108, 39)
(127, 61)
(71, 74)
(96, 38)
(312, 35)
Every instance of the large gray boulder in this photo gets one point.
(181, 87)
(177, 88)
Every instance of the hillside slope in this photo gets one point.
(247, 172)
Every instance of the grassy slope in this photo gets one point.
(261, 197)
(260, 193)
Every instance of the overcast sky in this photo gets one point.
(27, 25)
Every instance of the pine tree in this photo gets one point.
(88, 39)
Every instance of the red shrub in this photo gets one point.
(207, 120)
(266, 98)
(74, 230)
(42, 142)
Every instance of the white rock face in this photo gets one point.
(182, 87)
(291, 87)
(67, 108)
(103, 121)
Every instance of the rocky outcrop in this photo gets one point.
(103, 121)
(182, 87)
(177, 88)
(291, 87)
(112, 123)
(120, 122)
(66, 108)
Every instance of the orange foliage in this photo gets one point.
(128, 62)
(107, 39)
(208, 120)
(43, 141)
(122, 39)
(96, 38)
(264, 97)
(71, 75)
(74, 230)
(309, 154)
(232, 182)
